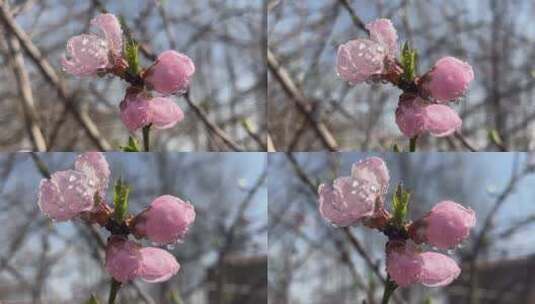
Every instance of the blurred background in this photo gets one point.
(496, 37)
(313, 262)
(223, 258)
(225, 39)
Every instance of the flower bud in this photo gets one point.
(165, 113)
(438, 269)
(65, 195)
(123, 258)
(414, 116)
(166, 221)
(403, 263)
(445, 226)
(157, 265)
(406, 265)
(351, 199)
(449, 79)
(138, 110)
(171, 73)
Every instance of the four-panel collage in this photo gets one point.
(267, 151)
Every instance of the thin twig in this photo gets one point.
(289, 86)
(52, 77)
(211, 126)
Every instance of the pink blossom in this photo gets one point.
(438, 269)
(88, 54)
(445, 226)
(383, 32)
(157, 265)
(449, 79)
(403, 263)
(123, 259)
(351, 199)
(139, 110)
(406, 265)
(358, 60)
(96, 168)
(415, 116)
(65, 195)
(166, 221)
(171, 73)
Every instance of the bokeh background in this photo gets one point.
(495, 37)
(313, 262)
(223, 257)
(225, 39)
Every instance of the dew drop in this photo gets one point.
(361, 46)
(72, 178)
(170, 246)
(360, 54)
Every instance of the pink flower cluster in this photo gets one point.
(80, 193)
(424, 108)
(360, 198)
(91, 55)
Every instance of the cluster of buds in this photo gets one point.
(423, 105)
(92, 54)
(79, 193)
(359, 198)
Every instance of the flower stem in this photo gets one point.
(412, 144)
(146, 138)
(390, 286)
(114, 290)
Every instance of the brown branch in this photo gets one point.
(211, 126)
(52, 77)
(356, 19)
(25, 89)
(289, 86)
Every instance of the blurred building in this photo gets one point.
(238, 279)
(509, 281)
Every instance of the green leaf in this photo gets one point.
(133, 145)
(92, 300)
(120, 200)
(400, 204)
(495, 137)
(396, 148)
(131, 54)
(409, 62)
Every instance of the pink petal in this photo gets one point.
(438, 269)
(448, 224)
(449, 79)
(86, 55)
(372, 171)
(171, 73)
(383, 32)
(65, 195)
(441, 120)
(95, 166)
(415, 116)
(111, 28)
(346, 202)
(165, 113)
(157, 265)
(403, 263)
(166, 221)
(123, 259)
(135, 111)
(357, 60)
(410, 116)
